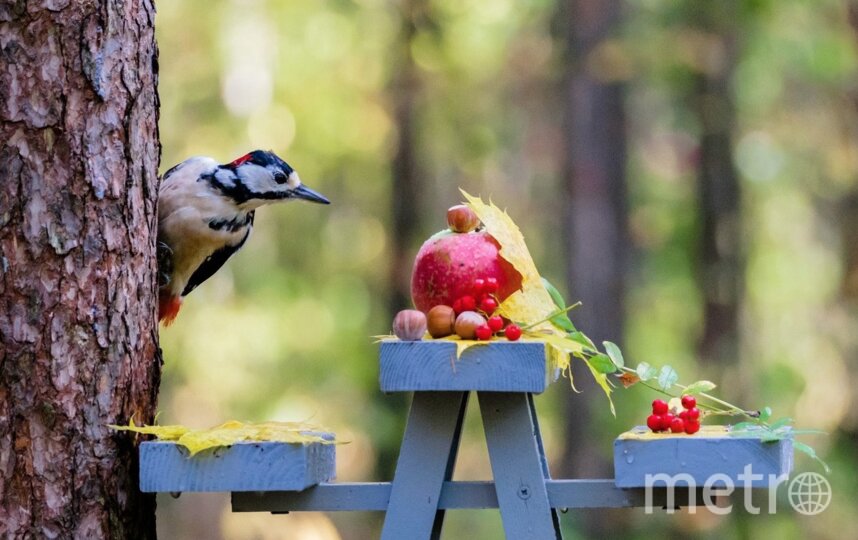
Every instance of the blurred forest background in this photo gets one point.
(687, 169)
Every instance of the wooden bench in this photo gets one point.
(246, 466)
(505, 377)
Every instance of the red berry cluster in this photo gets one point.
(483, 299)
(687, 421)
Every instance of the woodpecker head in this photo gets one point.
(261, 177)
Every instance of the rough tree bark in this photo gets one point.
(79, 154)
(595, 211)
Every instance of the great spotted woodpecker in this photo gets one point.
(205, 214)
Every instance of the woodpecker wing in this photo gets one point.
(212, 264)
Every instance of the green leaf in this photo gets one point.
(560, 320)
(615, 354)
(793, 432)
(772, 436)
(646, 371)
(667, 377)
(781, 423)
(743, 426)
(805, 448)
(602, 381)
(699, 387)
(563, 322)
(554, 294)
(602, 363)
(801, 447)
(581, 339)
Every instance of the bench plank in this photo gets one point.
(709, 452)
(407, 366)
(375, 497)
(245, 466)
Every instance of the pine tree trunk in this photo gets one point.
(595, 212)
(595, 216)
(721, 257)
(406, 196)
(79, 154)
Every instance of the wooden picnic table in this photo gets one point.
(505, 376)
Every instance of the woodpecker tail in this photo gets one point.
(168, 308)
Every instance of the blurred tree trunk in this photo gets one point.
(848, 221)
(721, 261)
(849, 204)
(595, 211)
(78, 335)
(406, 196)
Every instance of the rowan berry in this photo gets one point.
(468, 303)
(677, 425)
(488, 305)
(653, 422)
(491, 285)
(496, 323)
(484, 333)
(512, 332)
(692, 427)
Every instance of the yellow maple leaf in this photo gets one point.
(233, 431)
(532, 304)
(164, 433)
(463, 344)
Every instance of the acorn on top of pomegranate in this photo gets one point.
(462, 219)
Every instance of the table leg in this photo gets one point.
(426, 459)
(451, 464)
(542, 459)
(515, 452)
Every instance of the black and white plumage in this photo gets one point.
(205, 215)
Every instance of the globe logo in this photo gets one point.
(809, 493)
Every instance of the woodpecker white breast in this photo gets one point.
(205, 214)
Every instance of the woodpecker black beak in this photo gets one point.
(303, 192)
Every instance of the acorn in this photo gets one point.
(409, 325)
(467, 323)
(462, 219)
(441, 321)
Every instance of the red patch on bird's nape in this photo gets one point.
(242, 160)
(168, 308)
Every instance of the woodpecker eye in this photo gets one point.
(280, 178)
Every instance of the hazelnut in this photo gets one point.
(467, 323)
(441, 321)
(462, 219)
(409, 325)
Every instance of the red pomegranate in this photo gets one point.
(448, 263)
